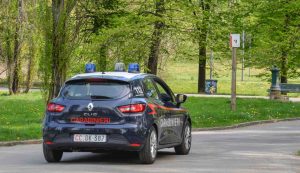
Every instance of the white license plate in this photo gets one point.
(89, 138)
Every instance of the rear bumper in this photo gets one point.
(128, 137)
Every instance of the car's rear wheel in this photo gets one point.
(148, 153)
(185, 147)
(51, 155)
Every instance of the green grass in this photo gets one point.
(21, 116)
(182, 78)
(215, 112)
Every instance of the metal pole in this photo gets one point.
(233, 80)
(243, 54)
(250, 46)
(211, 64)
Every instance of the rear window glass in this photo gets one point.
(95, 90)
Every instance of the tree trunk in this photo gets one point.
(16, 74)
(2, 57)
(284, 68)
(102, 61)
(30, 67)
(203, 30)
(284, 53)
(61, 10)
(9, 63)
(156, 38)
(202, 67)
(57, 41)
(29, 76)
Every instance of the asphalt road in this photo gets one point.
(261, 148)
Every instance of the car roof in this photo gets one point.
(123, 76)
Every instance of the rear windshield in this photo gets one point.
(95, 90)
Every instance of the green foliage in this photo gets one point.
(44, 25)
(275, 29)
(60, 35)
(109, 31)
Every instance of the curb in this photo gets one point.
(245, 124)
(38, 141)
(26, 142)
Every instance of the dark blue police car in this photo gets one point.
(102, 111)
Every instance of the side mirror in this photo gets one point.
(180, 98)
(165, 97)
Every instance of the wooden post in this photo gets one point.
(233, 80)
(234, 44)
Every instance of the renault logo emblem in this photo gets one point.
(90, 106)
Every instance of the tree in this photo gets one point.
(277, 34)
(101, 16)
(212, 25)
(156, 36)
(12, 15)
(32, 36)
(60, 36)
(202, 27)
(16, 74)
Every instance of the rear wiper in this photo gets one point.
(99, 97)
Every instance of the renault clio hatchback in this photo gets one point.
(102, 111)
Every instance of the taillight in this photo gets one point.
(52, 107)
(133, 108)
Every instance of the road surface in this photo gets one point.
(261, 148)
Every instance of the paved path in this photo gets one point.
(262, 148)
(6, 89)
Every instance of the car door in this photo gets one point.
(174, 117)
(155, 103)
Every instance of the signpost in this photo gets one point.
(235, 42)
(243, 58)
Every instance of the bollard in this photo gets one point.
(275, 91)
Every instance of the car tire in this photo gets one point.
(185, 146)
(148, 154)
(51, 155)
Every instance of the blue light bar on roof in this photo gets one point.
(134, 68)
(90, 68)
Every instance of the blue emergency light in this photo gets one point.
(90, 68)
(133, 68)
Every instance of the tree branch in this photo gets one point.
(3, 71)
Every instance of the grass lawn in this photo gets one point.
(215, 112)
(21, 116)
(182, 78)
